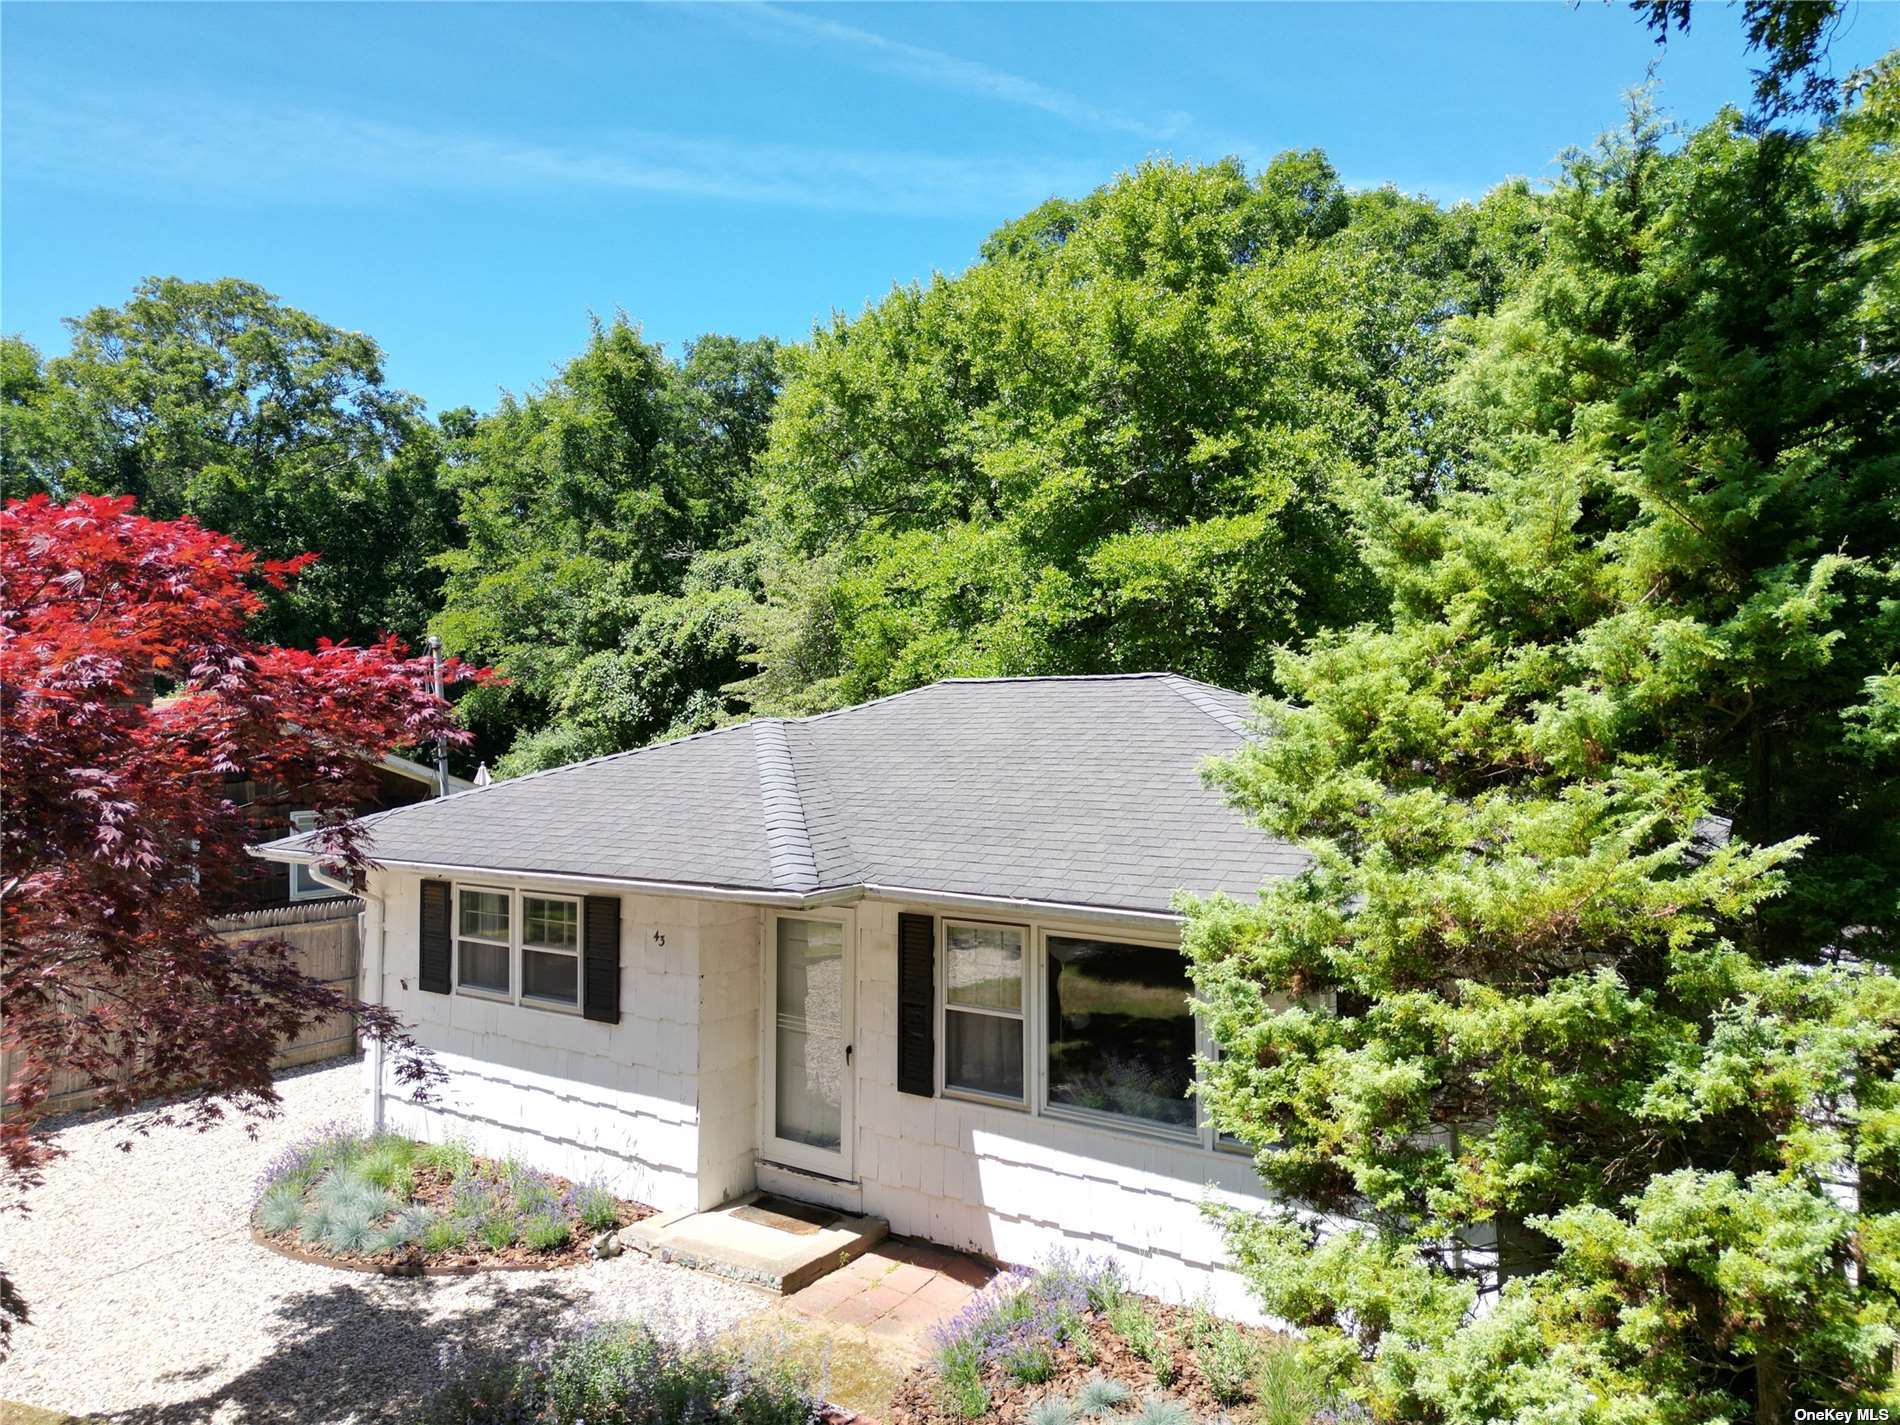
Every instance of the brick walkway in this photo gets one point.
(895, 1292)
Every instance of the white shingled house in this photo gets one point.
(914, 960)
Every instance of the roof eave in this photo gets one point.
(764, 895)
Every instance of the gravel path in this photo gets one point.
(151, 1303)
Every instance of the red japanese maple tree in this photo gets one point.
(129, 691)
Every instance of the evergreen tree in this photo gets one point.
(1533, 998)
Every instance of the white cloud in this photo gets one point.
(308, 155)
(947, 71)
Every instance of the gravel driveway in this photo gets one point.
(151, 1303)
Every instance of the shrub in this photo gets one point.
(1161, 1358)
(474, 1201)
(531, 1193)
(1228, 1360)
(1101, 1396)
(597, 1209)
(498, 1231)
(1032, 1363)
(1050, 1410)
(451, 1158)
(1129, 1319)
(544, 1232)
(444, 1234)
(960, 1369)
(626, 1373)
(281, 1207)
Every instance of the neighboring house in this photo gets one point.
(915, 958)
(270, 812)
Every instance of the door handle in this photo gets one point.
(847, 1052)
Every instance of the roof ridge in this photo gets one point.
(787, 836)
(1056, 677)
(1195, 693)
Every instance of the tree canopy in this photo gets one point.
(1119, 440)
(599, 572)
(1536, 996)
(217, 401)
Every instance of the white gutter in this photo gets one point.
(1022, 905)
(372, 975)
(791, 900)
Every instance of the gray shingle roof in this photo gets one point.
(1078, 791)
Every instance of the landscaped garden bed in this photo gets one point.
(625, 1374)
(1071, 1344)
(381, 1202)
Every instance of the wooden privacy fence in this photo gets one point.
(325, 945)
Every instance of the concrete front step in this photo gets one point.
(767, 1241)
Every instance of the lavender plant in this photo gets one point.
(1019, 1323)
(624, 1373)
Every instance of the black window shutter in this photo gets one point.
(436, 942)
(917, 1005)
(600, 978)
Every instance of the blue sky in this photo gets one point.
(467, 183)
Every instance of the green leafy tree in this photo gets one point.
(1533, 1015)
(601, 573)
(1118, 440)
(217, 401)
(1794, 35)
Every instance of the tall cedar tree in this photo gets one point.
(130, 692)
(1528, 987)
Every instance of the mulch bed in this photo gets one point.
(432, 1189)
(920, 1399)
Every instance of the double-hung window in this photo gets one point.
(550, 949)
(303, 884)
(523, 946)
(484, 941)
(984, 1008)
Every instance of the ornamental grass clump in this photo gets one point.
(1101, 1396)
(281, 1206)
(343, 1212)
(1162, 1410)
(388, 1161)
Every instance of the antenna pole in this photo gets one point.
(441, 739)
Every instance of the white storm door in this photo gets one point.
(810, 992)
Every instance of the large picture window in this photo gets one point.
(983, 1009)
(519, 946)
(1121, 1032)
